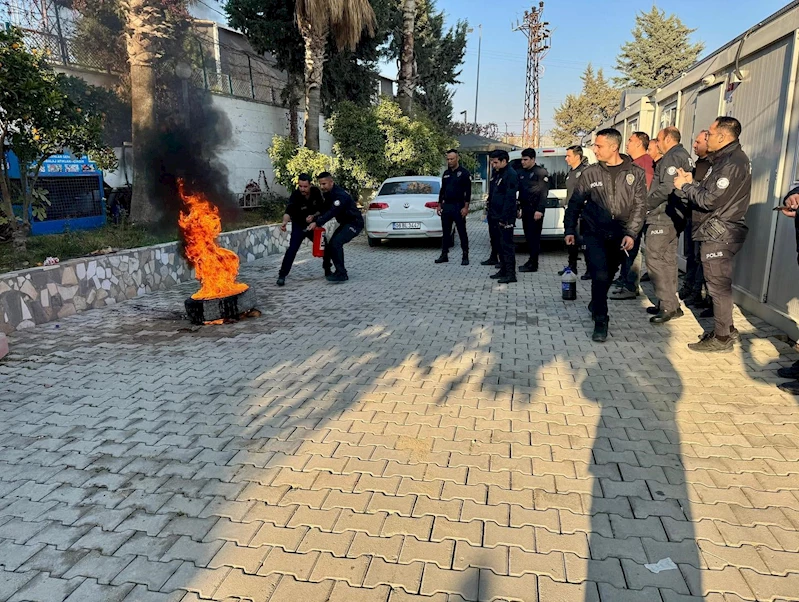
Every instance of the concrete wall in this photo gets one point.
(43, 294)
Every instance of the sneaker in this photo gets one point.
(600, 334)
(585, 276)
(622, 294)
(789, 372)
(709, 343)
(465, 261)
(442, 259)
(337, 278)
(529, 268)
(664, 316)
(507, 279)
(791, 387)
(735, 335)
(490, 261)
(281, 281)
(497, 276)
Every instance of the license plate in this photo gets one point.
(407, 225)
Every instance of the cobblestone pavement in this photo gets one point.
(419, 434)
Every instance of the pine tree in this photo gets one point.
(580, 114)
(659, 51)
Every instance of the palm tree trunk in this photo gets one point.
(406, 84)
(315, 36)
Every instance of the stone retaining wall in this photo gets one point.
(42, 294)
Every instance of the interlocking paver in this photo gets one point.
(483, 450)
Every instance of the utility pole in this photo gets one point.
(477, 87)
(538, 43)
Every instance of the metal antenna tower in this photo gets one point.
(538, 43)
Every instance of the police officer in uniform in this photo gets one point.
(344, 210)
(694, 276)
(533, 193)
(453, 205)
(577, 163)
(790, 205)
(502, 212)
(610, 199)
(719, 204)
(305, 204)
(667, 214)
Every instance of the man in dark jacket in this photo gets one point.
(694, 281)
(502, 211)
(304, 205)
(533, 193)
(453, 205)
(667, 214)
(719, 204)
(577, 163)
(789, 209)
(610, 199)
(350, 224)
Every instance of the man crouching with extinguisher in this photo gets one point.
(305, 204)
(346, 213)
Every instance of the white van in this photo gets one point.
(554, 161)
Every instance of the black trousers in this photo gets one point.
(717, 261)
(298, 234)
(451, 214)
(507, 252)
(604, 256)
(662, 241)
(694, 273)
(494, 236)
(532, 232)
(334, 251)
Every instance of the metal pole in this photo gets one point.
(252, 81)
(477, 87)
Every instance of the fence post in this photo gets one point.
(230, 84)
(252, 81)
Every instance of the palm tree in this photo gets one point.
(346, 21)
(406, 78)
(145, 26)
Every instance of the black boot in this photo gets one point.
(507, 279)
(498, 275)
(465, 260)
(600, 330)
(442, 259)
(490, 261)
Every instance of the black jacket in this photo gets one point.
(609, 207)
(573, 176)
(456, 187)
(533, 188)
(721, 200)
(795, 222)
(700, 169)
(299, 207)
(342, 208)
(502, 196)
(664, 202)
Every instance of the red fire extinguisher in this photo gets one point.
(319, 240)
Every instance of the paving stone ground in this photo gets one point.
(419, 434)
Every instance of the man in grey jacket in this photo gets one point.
(667, 215)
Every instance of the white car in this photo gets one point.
(554, 161)
(404, 208)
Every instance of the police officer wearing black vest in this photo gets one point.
(453, 205)
(719, 204)
(610, 199)
(502, 209)
(350, 223)
(533, 193)
(305, 204)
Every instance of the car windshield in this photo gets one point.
(555, 165)
(410, 187)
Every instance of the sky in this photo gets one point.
(582, 31)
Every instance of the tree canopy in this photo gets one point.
(580, 114)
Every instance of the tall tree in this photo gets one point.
(580, 114)
(660, 51)
(345, 21)
(406, 84)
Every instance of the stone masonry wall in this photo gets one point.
(42, 294)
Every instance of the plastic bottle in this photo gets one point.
(568, 285)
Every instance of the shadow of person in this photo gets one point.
(639, 508)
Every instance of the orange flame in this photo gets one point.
(216, 268)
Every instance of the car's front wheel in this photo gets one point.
(373, 242)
